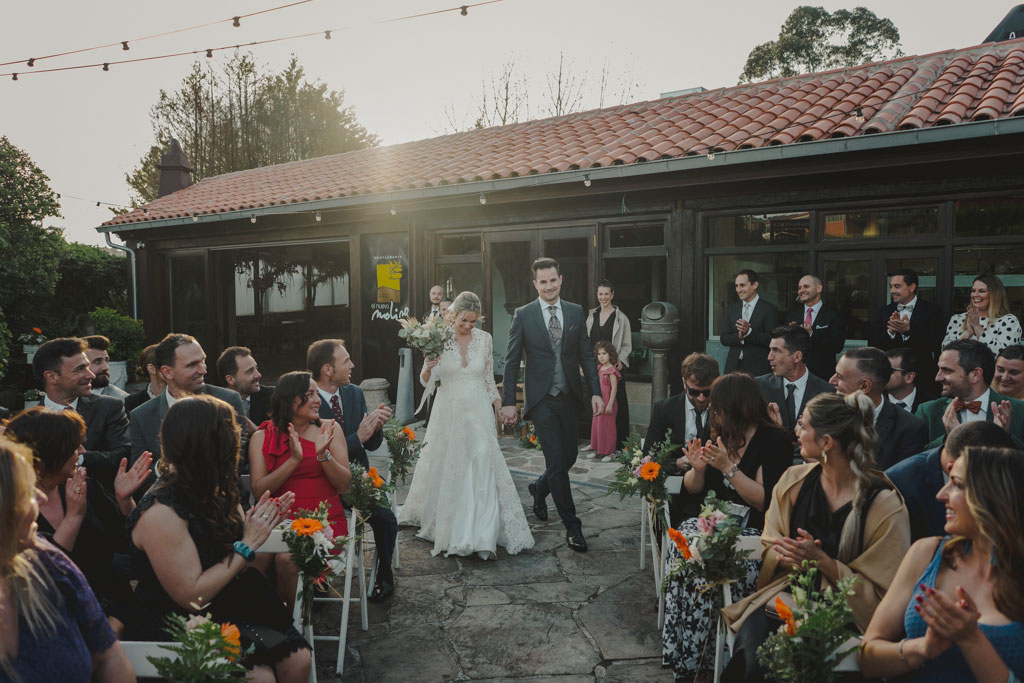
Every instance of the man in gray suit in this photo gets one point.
(99, 364)
(182, 363)
(62, 368)
(747, 326)
(790, 385)
(551, 334)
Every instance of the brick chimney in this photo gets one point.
(175, 172)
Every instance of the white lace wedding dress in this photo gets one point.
(462, 495)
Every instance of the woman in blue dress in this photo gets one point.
(955, 610)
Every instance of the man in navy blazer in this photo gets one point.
(910, 321)
(551, 333)
(747, 327)
(331, 366)
(823, 322)
(920, 476)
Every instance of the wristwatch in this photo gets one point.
(326, 458)
(731, 473)
(245, 551)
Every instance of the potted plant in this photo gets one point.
(33, 397)
(30, 342)
(127, 337)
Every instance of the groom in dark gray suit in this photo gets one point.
(551, 334)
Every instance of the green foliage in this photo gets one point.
(232, 117)
(88, 277)
(807, 648)
(127, 336)
(365, 492)
(404, 449)
(813, 39)
(644, 475)
(311, 542)
(28, 269)
(202, 652)
(5, 345)
(720, 561)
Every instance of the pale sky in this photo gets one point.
(87, 128)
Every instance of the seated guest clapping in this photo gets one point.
(747, 457)
(52, 627)
(1009, 377)
(919, 477)
(833, 510)
(78, 515)
(294, 451)
(955, 611)
(193, 544)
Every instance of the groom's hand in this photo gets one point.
(508, 415)
(597, 404)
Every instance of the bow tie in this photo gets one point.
(973, 406)
(909, 308)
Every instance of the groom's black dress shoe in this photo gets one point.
(576, 541)
(540, 507)
(384, 586)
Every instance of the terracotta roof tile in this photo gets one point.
(974, 84)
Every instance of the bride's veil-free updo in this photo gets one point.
(465, 302)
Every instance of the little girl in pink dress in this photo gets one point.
(602, 430)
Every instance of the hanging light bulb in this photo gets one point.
(58, 195)
(318, 217)
(195, 218)
(97, 203)
(464, 10)
(252, 218)
(394, 211)
(586, 181)
(327, 35)
(711, 154)
(31, 61)
(14, 77)
(860, 115)
(236, 21)
(209, 52)
(106, 66)
(483, 198)
(124, 45)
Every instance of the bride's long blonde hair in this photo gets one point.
(465, 302)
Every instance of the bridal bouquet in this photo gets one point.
(313, 547)
(403, 447)
(428, 336)
(365, 492)
(807, 646)
(204, 649)
(644, 475)
(717, 560)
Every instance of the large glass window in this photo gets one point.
(638, 281)
(188, 295)
(750, 230)
(636, 235)
(987, 217)
(881, 223)
(778, 275)
(1006, 262)
(460, 277)
(460, 245)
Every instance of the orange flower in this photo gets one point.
(304, 526)
(409, 434)
(681, 543)
(372, 473)
(786, 615)
(37, 330)
(533, 438)
(232, 639)
(649, 471)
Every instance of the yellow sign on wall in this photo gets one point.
(389, 282)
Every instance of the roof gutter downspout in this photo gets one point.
(131, 257)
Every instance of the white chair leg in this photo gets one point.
(362, 587)
(643, 533)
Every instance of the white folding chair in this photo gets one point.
(724, 638)
(138, 650)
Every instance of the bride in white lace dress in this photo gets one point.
(462, 495)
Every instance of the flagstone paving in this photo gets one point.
(547, 615)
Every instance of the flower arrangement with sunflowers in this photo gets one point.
(643, 475)
(204, 649)
(809, 643)
(313, 547)
(717, 560)
(428, 336)
(365, 492)
(403, 447)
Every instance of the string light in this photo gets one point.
(31, 61)
(106, 66)
(252, 218)
(394, 211)
(860, 115)
(209, 53)
(124, 45)
(318, 217)
(327, 35)
(464, 10)
(711, 153)
(195, 218)
(236, 21)
(14, 77)
(586, 181)
(483, 199)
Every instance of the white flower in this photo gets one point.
(196, 620)
(633, 480)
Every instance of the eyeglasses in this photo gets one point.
(698, 392)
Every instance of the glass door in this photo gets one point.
(574, 250)
(507, 284)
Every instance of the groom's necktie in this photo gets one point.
(336, 409)
(554, 327)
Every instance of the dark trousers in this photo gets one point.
(554, 420)
(743, 667)
(385, 532)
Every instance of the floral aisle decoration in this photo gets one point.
(530, 438)
(365, 492)
(644, 475)
(33, 338)
(717, 560)
(428, 336)
(404, 450)
(809, 644)
(204, 651)
(313, 547)
(33, 395)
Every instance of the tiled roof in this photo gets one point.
(958, 86)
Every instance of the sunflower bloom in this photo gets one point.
(409, 434)
(649, 471)
(681, 543)
(304, 526)
(232, 639)
(786, 615)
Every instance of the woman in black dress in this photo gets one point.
(194, 544)
(741, 465)
(608, 323)
(78, 515)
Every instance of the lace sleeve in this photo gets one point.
(488, 351)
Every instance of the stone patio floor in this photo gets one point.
(547, 614)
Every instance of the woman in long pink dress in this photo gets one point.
(603, 437)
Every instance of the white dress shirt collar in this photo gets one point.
(544, 305)
(815, 308)
(908, 400)
(982, 414)
(51, 405)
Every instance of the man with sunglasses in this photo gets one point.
(684, 417)
(903, 389)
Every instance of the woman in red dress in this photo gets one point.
(295, 451)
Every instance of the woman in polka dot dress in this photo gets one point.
(988, 318)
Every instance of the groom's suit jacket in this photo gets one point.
(353, 408)
(529, 336)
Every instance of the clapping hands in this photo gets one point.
(948, 621)
(128, 480)
(793, 551)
